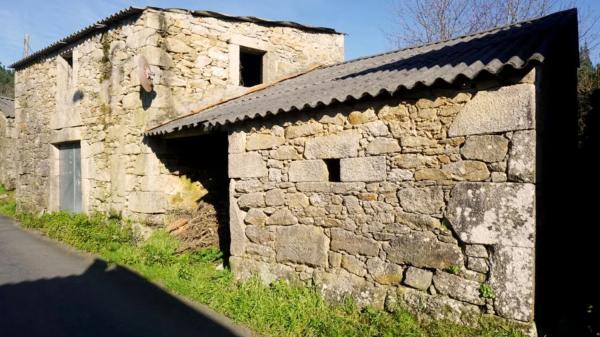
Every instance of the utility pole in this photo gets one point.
(26, 45)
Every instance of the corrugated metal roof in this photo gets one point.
(80, 34)
(266, 22)
(465, 57)
(102, 25)
(7, 106)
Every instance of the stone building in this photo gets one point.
(7, 142)
(420, 175)
(81, 99)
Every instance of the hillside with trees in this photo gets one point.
(424, 21)
(588, 90)
(7, 82)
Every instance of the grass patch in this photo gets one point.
(8, 206)
(280, 309)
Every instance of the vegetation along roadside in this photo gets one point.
(279, 309)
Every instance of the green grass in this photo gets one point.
(486, 291)
(8, 206)
(280, 309)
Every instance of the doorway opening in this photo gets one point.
(69, 177)
(201, 163)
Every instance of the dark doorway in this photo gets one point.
(202, 159)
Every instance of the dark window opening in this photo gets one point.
(333, 166)
(68, 56)
(251, 67)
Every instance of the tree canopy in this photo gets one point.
(424, 21)
(7, 82)
(588, 82)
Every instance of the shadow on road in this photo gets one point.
(100, 302)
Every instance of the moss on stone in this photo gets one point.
(105, 109)
(187, 195)
(105, 64)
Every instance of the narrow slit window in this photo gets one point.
(333, 166)
(251, 67)
(68, 56)
(68, 69)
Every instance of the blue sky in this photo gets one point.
(365, 21)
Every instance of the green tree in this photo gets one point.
(588, 82)
(7, 82)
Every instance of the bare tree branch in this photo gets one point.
(425, 21)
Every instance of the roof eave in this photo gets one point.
(565, 21)
(92, 29)
(106, 23)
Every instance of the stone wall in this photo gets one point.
(434, 204)
(34, 100)
(98, 102)
(7, 152)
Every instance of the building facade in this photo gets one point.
(82, 99)
(410, 195)
(421, 177)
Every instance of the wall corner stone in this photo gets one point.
(247, 165)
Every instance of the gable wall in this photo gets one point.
(101, 104)
(436, 198)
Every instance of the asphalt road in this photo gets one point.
(47, 289)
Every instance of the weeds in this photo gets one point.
(279, 309)
(8, 206)
(453, 269)
(486, 291)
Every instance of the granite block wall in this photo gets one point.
(96, 99)
(427, 199)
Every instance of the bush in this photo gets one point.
(486, 291)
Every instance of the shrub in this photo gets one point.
(454, 269)
(486, 291)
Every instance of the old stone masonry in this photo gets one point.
(434, 203)
(409, 178)
(88, 93)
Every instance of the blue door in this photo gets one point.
(70, 177)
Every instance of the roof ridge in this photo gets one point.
(517, 46)
(482, 32)
(477, 34)
(133, 10)
(249, 18)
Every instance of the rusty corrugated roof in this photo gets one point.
(515, 46)
(7, 106)
(103, 24)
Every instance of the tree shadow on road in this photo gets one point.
(100, 302)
